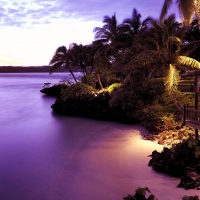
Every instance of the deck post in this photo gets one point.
(184, 109)
(197, 88)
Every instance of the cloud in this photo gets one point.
(18, 13)
(31, 30)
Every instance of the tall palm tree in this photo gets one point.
(127, 30)
(100, 61)
(107, 35)
(163, 51)
(109, 31)
(61, 58)
(106, 44)
(187, 8)
(80, 56)
(133, 25)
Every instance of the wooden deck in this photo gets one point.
(191, 117)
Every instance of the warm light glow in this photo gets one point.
(172, 79)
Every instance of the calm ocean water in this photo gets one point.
(45, 156)
(42, 153)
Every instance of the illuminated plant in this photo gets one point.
(164, 52)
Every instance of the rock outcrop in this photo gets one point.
(182, 161)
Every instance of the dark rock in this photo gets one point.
(197, 183)
(157, 166)
(187, 182)
(164, 162)
(53, 91)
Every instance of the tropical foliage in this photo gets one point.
(187, 9)
(144, 57)
(163, 50)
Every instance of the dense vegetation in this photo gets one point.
(28, 69)
(146, 58)
(131, 73)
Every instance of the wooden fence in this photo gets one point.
(190, 114)
(191, 117)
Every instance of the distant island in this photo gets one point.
(28, 69)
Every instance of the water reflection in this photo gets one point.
(46, 156)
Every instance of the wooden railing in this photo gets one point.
(191, 117)
(188, 113)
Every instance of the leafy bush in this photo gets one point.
(143, 102)
(89, 79)
(112, 88)
(151, 121)
(75, 90)
(130, 101)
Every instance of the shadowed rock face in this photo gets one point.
(180, 162)
(52, 91)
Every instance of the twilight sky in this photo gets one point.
(31, 30)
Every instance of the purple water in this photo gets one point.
(45, 156)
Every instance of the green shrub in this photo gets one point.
(124, 103)
(130, 100)
(151, 121)
(112, 88)
(76, 90)
(89, 79)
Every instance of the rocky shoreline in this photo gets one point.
(178, 157)
(168, 138)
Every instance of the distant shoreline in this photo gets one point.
(28, 69)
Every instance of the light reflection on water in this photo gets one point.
(45, 156)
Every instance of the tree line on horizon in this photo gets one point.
(144, 48)
(23, 69)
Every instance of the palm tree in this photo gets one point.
(105, 45)
(193, 34)
(163, 51)
(132, 26)
(108, 35)
(100, 61)
(187, 8)
(109, 31)
(81, 56)
(61, 58)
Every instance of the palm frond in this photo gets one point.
(147, 43)
(55, 66)
(165, 8)
(165, 34)
(146, 58)
(190, 48)
(187, 61)
(186, 10)
(151, 73)
(171, 81)
(146, 21)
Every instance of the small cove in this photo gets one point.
(47, 156)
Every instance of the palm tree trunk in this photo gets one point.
(176, 103)
(99, 80)
(197, 11)
(72, 74)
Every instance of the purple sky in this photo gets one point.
(31, 30)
